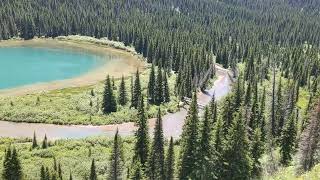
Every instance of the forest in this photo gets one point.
(267, 127)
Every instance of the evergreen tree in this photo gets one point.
(141, 147)
(156, 161)
(151, 85)
(109, 103)
(273, 106)
(45, 142)
(59, 171)
(159, 88)
(189, 142)
(237, 151)
(93, 174)
(12, 169)
(123, 98)
(42, 173)
(55, 168)
(279, 109)
(137, 170)
(169, 163)
(136, 93)
(116, 160)
(288, 139)
(34, 141)
(70, 177)
(166, 91)
(218, 145)
(256, 152)
(47, 174)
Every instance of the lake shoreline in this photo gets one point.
(130, 61)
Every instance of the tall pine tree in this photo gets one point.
(237, 151)
(151, 85)
(169, 163)
(190, 142)
(136, 91)
(123, 97)
(109, 103)
(156, 161)
(116, 160)
(141, 147)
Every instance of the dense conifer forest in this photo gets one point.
(269, 121)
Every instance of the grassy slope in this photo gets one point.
(74, 156)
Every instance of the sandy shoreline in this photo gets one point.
(125, 64)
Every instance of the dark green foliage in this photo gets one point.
(257, 148)
(288, 139)
(136, 91)
(70, 177)
(189, 143)
(12, 169)
(137, 171)
(109, 103)
(116, 159)
(45, 142)
(156, 159)
(123, 97)
(166, 90)
(237, 151)
(159, 88)
(42, 173)
(206, 152)
(141, 148)
(169, 162)
(93, 174)
(34, 141)
(151, 85)
(280, 113)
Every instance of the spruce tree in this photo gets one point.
(93, 174)
(190, 142)
(159, 88)
(166, 90)
(109, 103)
(12, 169)
(287, 141)
(45, 142)
(256, 152)
(42, 173)
(218, 149)
(141, 148)
(169, 162)
(70, 177)
(156, 159)
(237, 151)
(116, 159)
(136, 93)
(279, 110)
(151, 85)
(206, 152)
(137, 170)
(34, 141)
(59, 171)
(123, 97)
(7, 165)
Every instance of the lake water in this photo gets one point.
(21, 66)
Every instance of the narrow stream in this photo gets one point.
(172, 123)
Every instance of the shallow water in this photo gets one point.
(20, 66)
(172, 123)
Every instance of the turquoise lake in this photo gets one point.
(21, 66)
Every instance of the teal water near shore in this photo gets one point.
(20, 66)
